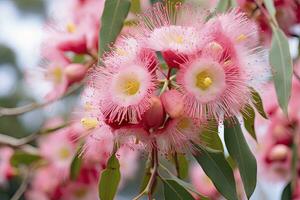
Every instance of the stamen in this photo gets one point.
(89, 122)
(215, 46)
(241, 38)
(121, 52)
(71, 28)
(184, 123)
(203, 80)
(64, 153)
(131, 87)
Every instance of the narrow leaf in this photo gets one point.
(281, 63)
(114, 14)
(23, 158)
(174, 191)
(109, 180)
(287, 192)
(218, 170)
(271, 8)
(182, 165)
(249, 119)
(241, 154)
(210, 136)
(76, 165)
(222, 6)
(257, 102)
(147, 175)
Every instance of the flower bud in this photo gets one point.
(75, 73)
(279, 153)
(173, 103)
(173, 59)
(154, 117)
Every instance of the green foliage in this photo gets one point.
(242, 155)
(249, 119)
(209, 136)
(281, 63)
(135, 6)
(110, 178)
(257, 102)
(271, 8)
(114, 14)
(287, 192)
(182, 165)
(76, 165)
(174, 191)
(23, 158)
(218, 170)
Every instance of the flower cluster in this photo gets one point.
(278, 135)
(209, 68)
(51, 178)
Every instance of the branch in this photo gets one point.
(35, 105)
(15, 143)
(18, 194)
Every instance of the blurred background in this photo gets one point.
(21, 33)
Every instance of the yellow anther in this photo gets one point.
(241, 38)
(215, 46)
(203, 80)
(57, 74)
(178, 39)
(121, 52)
(227, 62)
(184, 123)
(71, 28)
(89, 122)
(131, 87)
(88, 106)
(64, 153)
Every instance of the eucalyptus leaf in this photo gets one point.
(287, 192)
(222, 6)
(76, 165)
(182, 165)
(249, 119)
(218, 170)
(281, 63)
(109, 179)
(271, 8)
(174, 191)
(114, 14)
(23, 158)
(242, 155)
(257, 102)
(209, 136)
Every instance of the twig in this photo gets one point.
(35, 105)
(18, 194)
(149, 187)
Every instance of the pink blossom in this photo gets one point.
(6, 170)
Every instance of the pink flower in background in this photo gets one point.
(6, 170)
(202, 183)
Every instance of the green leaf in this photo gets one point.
(182, 165)
(241, 154)
(23, 158)
(76, 165)
(109, 180)
(257, 102)
(209, 136)
(174, 191)
(233, 3)
(114, 14)
(79, 58)
(249, 119)
(271, 8)
(281, 63)
(287, 192)
(147, 175)
(135, 6)
(222, 6)
(218, 170)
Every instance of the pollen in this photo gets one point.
(88, 106)
(178, 39)
(71, 28)
(57, 74)
(183, 124)
(131, 87)
(64, 153)
(121, 52)
(203, 80)
(89, 122)
(215, 46)
(241, 38)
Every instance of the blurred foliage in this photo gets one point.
(31, 6)
(7, 55)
